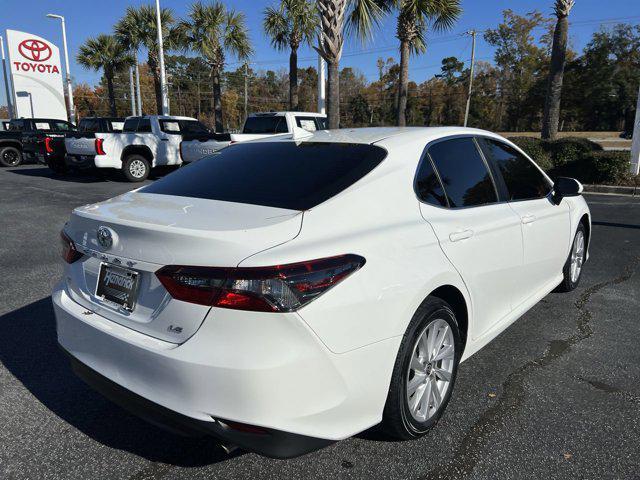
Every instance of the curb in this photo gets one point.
(615, 189)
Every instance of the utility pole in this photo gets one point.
(163, 77)
(72, 110)
(473, 34)
(139, 92)
(132, 92)
(635, 146)
(6, 81)
(321, 85)
(246, 89)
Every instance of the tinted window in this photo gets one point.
(16, 126)
(130, 124)
(276, 174)
(464, 174)
(522, 179)
(88, 125)
(144, 126)
(428, 186)
(323, 124)
(183, 127)
(62, 126)
(265, 125)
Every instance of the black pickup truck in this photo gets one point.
(40, 139)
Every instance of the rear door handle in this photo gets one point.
(461, 235)
(528, 219)
(164, 139)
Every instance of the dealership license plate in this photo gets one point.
(117, 285)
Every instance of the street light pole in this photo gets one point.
(473, 34)
(132, 92)
(6, 81)
(163, 79)
(72, 110)
(635, 146)
(138, 94)
(321, 84)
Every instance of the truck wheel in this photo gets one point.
(10, 157)
(135, 168)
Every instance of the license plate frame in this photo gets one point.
(122, 292)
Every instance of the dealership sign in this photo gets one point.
(36, 76)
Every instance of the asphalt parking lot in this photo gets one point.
(557, 395)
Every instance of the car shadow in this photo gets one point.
(89, 176)
(86, 176)
(29, 350)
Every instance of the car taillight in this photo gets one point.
(48, 145)
(69, 251)
(99, 149)
(281, 288)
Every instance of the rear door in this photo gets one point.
(478, 233)
(170, 136)
(546, 227)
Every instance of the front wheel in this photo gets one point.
(424, 373)
(572, 270)
(136, 168)
(10, 157)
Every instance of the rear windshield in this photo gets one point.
(270, 124)
(274, 174)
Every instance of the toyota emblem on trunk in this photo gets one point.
(105, 239)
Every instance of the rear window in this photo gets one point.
(130, 124)
(275, 174)
(88, 125)
(274, 124)
(184, 127)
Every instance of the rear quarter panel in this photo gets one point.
(379, 219)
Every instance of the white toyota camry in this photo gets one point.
(291, 292)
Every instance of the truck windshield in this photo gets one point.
(265, 125)
(275, 174)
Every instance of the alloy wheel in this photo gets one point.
(137, 168)
(577, 256)
(430, 370)
(11, 158)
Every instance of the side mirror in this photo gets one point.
(565, 187)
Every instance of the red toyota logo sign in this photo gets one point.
(35, 50)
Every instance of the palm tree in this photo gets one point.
(212, 30)
(551, 115)
(107, 53)
(138, 28)
(364, 14)
(294, 22)
(414, 17)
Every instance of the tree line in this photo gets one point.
(536, 80)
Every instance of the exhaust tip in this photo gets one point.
(228, 448)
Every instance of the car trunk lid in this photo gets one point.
(149, 231)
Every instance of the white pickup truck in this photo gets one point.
(261, 125)
(144, 143)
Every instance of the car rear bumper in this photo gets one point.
(264, 370)
(268, 442)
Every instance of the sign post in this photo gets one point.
(6, 80)
(635, 146)
(36, 76)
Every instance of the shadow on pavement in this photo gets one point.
(619, 225)
(29, 350)
(89, 176)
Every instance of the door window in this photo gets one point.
(144, 126)
(428, 186)
(523, 180)
(463, 172)
(130, 124)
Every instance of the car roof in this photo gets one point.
(282, 113)
(371, 135)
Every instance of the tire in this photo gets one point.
(577, 255)
(136, 168)
(10, 157)
(400, 420)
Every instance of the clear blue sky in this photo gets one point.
(90, 17)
